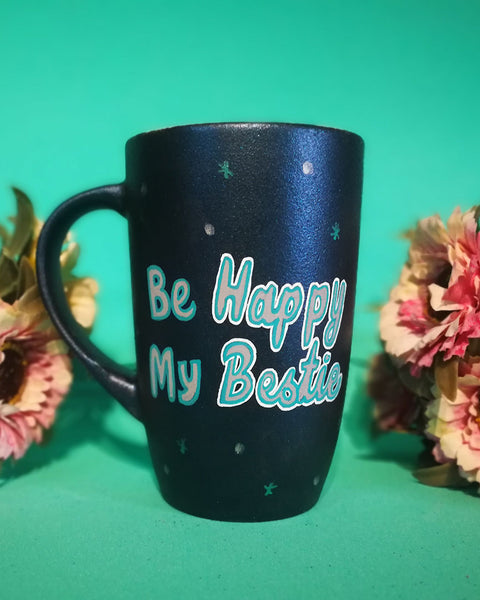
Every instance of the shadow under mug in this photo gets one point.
(243, 245)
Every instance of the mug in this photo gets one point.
(243, 249)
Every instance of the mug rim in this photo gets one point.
(245, 125)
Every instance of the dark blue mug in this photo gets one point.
(243, 245)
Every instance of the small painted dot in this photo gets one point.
(316, 480)
(209, 229)
(239, 448)
(166, 469)
(307, 168)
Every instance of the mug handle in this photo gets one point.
(116, 379)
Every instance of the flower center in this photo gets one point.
(12, 373)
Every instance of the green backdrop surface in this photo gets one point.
(81, 517)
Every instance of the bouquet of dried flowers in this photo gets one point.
(35, 367)
(427, 380)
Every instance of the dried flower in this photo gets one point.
(80, 291)
(428, 379)
(35, 374)
(454, 420)
(35, 368)
(435, 308)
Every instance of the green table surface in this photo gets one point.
(81, 517)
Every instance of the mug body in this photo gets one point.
(244, 242)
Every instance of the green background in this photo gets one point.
(81, 517)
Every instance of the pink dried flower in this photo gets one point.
(35, 369)
(35, 374)
(435, 308)
(454, 422)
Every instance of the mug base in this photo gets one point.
(270, 509)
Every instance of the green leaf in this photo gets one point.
(445, 475)
(26, 276)
(477, 216)
(24, 223)
(446, 377)
(4, 235)
(8, 275)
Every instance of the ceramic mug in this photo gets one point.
(243, 245)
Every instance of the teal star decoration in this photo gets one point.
(335, 233)
(269, 489)
(225, 169)
(182, 445)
